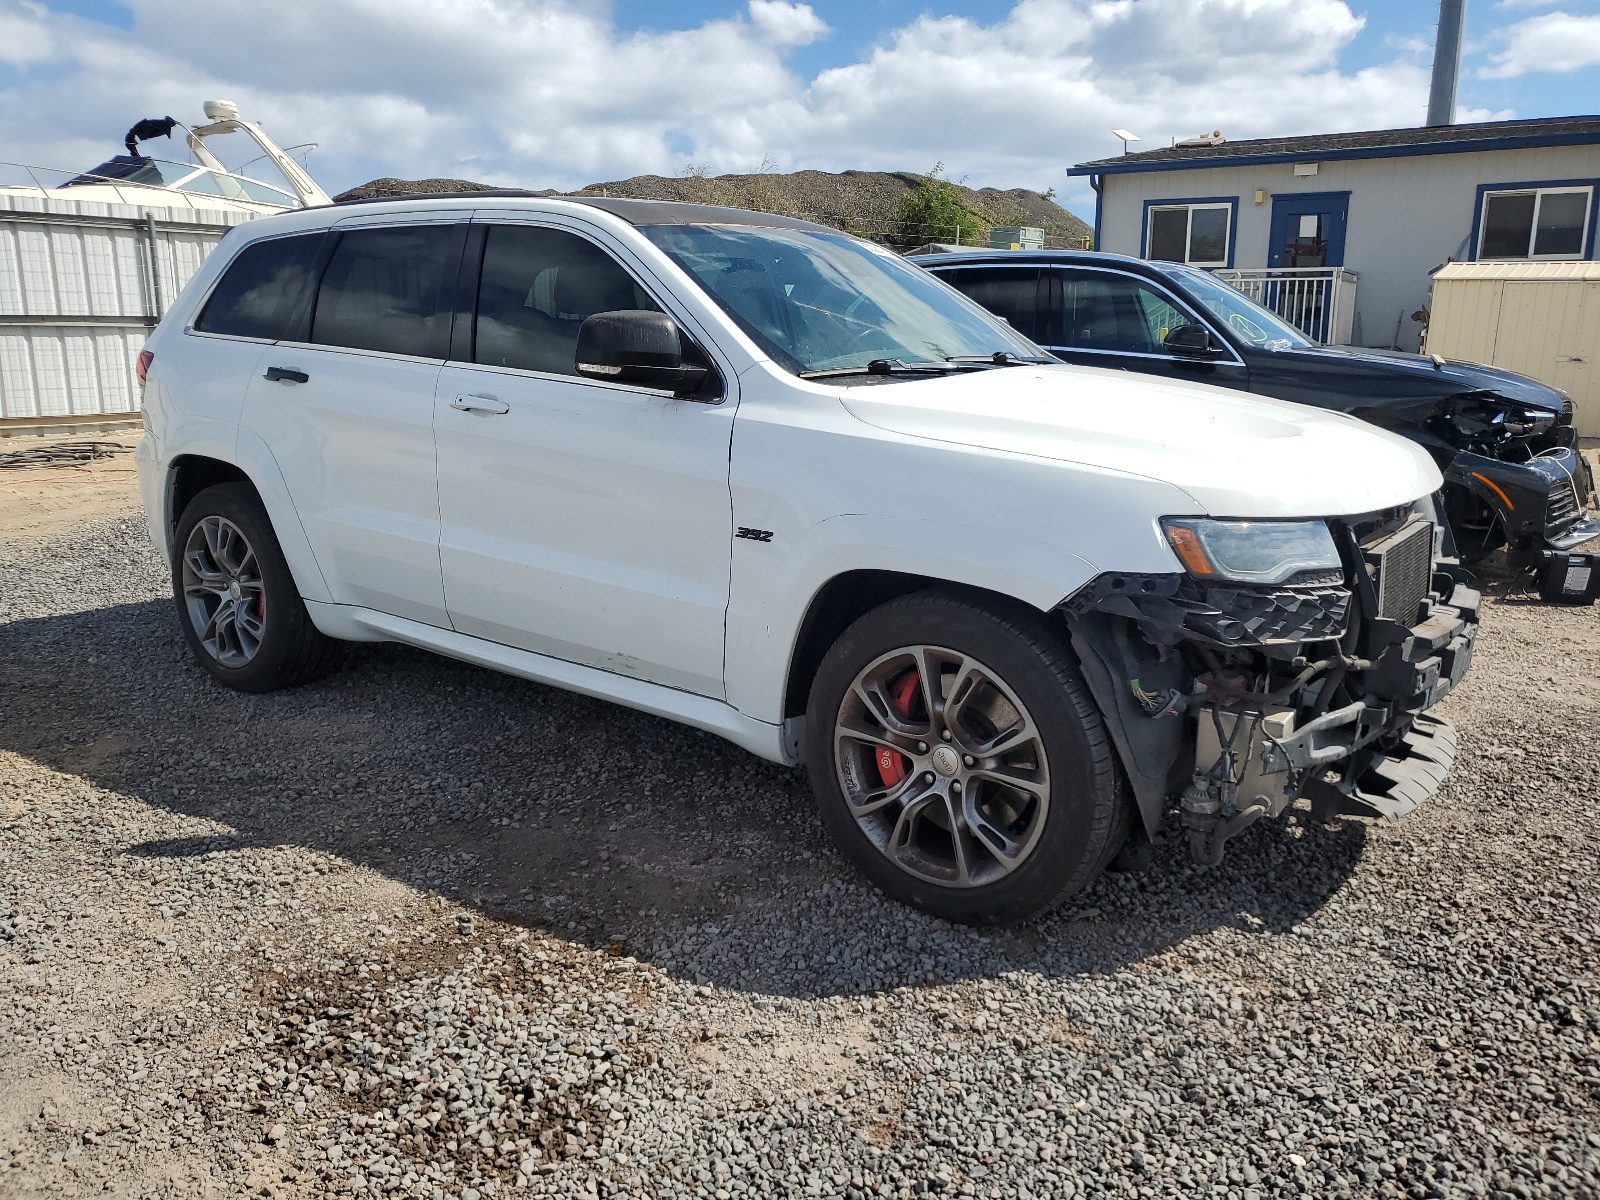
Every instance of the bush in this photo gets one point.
(934, 211)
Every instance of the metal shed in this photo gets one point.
(81, 283)
(1540, 319)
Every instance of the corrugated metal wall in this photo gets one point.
(80, 285)
(1538, 319)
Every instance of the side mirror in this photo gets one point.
(1191, 341)
(633, 345)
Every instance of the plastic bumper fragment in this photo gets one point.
(1583, 531)
(1398, 781)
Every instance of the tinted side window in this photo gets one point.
(391, 290)
(1009, 292)
(262, 288)
(537, 287)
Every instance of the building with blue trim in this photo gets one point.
(1390, 206)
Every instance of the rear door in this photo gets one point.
(347, 409)
(1016, 294)
(256, 302)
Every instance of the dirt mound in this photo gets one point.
(863, 202)
(380, 188)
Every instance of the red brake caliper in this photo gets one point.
(893, 766)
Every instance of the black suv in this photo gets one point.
(1505, 443)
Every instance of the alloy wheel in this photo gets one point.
(223, 591)
(942, 766)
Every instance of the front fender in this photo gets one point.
(767, 606)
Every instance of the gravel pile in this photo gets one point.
(864, 202)
(422, 930)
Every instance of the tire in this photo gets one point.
(1039, 811)
(226, 560)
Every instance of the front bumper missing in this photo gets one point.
(1380, 756)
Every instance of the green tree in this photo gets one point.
(936, 211)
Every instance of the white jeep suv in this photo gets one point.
(761, 477)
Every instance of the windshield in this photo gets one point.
(212, 184)
(828, 302)
(1246, 320)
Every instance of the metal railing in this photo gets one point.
(1319, 301)
(140, 193)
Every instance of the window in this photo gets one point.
(390, 289)
(260, 293)
(1535, 223)
(1115, 313)
(1244, 318)
(1009, 292)
(537, 287)
(828, 302)
(1196, 234)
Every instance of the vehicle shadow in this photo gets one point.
(602, 825)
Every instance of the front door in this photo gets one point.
(1308, 229)
(588, 521)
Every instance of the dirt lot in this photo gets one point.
(424, 930)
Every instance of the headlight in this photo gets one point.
(1251, 551)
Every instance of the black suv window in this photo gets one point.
(390, 289)
(1102, 311)
(262, 288)
(537, 287)
(1009, 292)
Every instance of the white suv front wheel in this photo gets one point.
(960, 762)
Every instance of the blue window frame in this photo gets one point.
(1544, 220)
(1197, 230)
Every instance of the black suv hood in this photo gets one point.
(1414, 376)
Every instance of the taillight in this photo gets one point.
(141, 369)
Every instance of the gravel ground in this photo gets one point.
(425, 930)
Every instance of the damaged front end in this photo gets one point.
(1240, 697)
(1514, 477)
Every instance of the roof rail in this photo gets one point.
(481, 193)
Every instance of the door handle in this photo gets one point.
(286, 375)
(480, 403)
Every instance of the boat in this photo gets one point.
(90, 260)
(137, 179)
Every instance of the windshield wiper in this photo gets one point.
(1000, 358)
(887, 366)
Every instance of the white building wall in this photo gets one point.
(1407, 215)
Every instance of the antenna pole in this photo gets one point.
(1446, 63)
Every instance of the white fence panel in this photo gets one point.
(80, 285)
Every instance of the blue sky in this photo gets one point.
(565, 92)
(857, 25)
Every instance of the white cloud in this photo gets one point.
(548, 93)
(787, 24)
(25, 36)
(1555, 42)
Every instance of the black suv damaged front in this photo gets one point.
(1237, 692)
(1505, 443)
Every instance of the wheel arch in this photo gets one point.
(192, 471)
(190, 474)
(848, 596)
